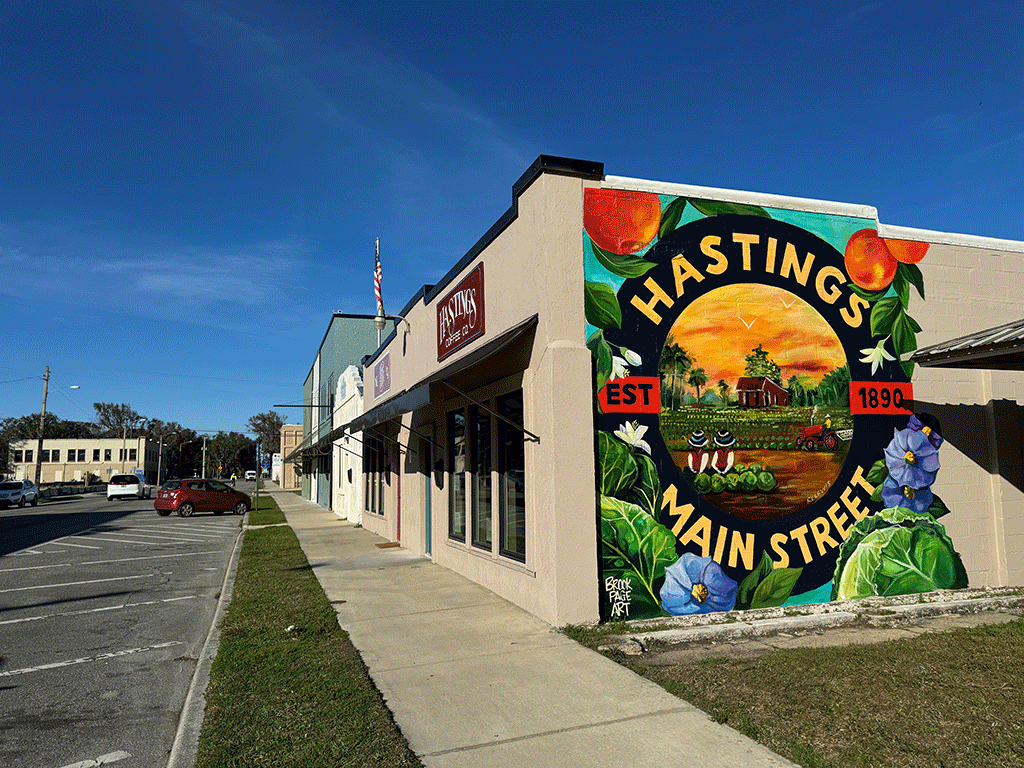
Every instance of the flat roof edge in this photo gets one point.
(949, 238)
(762, 199)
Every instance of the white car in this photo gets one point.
(20, 492)
(250, 475)
(120, 486)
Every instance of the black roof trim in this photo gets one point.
(561, 166)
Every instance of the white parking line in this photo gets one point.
(202, 534)
(100, 657)
(98, 610)
(175, 536)
(107, 759)
(118, 541)
(107, 562)
(69, 544)
(77, 583)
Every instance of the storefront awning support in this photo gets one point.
(507, 420)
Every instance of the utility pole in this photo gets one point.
(204, 457)
(42, 421)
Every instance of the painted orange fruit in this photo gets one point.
(907, 251)
(868, 262)
(621, 221)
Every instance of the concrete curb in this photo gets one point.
(770, 622)
(190, 722)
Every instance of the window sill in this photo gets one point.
(504, 562)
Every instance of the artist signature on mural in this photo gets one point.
(819, 493)
(620, 592)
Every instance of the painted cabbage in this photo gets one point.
(897, 552)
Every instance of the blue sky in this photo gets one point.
(188, 190)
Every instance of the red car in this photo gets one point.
(199, 495)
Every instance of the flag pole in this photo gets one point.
(380, 320)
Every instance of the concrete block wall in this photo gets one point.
(970, 289)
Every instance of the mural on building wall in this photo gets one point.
(756, 444)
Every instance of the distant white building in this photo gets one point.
(69, 459)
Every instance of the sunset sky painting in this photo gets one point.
(720, 329)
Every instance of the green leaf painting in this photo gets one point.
(884, 314)
(635, 546)
(912, 274)
(646, 492)
(877, 474)
(938, 507)
(617, 465)
(776, 588)
(747, 587)
(671, 216)
(719, 208)
(602, 352)
(627, 265)
(601, 306)
(867, 295)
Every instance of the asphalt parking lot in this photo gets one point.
(104, 608)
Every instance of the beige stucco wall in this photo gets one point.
(534, 266)
(347, 496)
(970, 289)
(75, 471)
(291, 436)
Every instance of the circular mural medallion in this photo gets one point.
(754, 413)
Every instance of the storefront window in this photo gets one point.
(374, 462)
(457, 470)
(481, 476)
(512, 477)
(486, 458)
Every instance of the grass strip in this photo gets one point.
(287, 688)
(267, 513)
(950, 699)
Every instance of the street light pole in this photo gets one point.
(204, 457)
(42, 420)
(160, 457)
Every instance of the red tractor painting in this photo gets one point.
(822, 434)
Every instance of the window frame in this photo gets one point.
(467, 489)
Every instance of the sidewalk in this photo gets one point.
(472, 680)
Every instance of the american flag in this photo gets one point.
(377, 278)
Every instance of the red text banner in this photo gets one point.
(633, 394)
(888, 398)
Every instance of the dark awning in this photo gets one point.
(1000, 348)
(418, 395)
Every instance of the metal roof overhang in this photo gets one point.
(418, 395)
(999, 348)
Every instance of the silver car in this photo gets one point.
(20, 492)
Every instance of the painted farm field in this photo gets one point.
(800, 468)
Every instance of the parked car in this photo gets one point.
(20, 492)
(186, 497)
(120, 486)
(250, 475)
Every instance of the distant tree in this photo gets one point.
(267, 429)
(17, 428)
(797, 393)
(724, 390)
(834, 388)
(230, 453)
(697, 379)
(675, 363)
(114, 418)
(760, 364)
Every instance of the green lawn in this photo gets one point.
(951, 699)
(287, 688)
